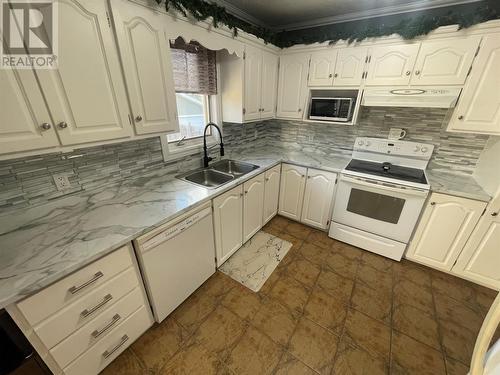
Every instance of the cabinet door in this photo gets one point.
(350, 66)
(228, 223)
(86, 94)
(391, 65)
(321, 68)
(271, 193)
(292, 85)
(23, 113)
(145, 53)
(269, 85)
(292, 190)
(478, 109)
(318, 198)
(445, 226)
(253, 79)
(480, 259)
(253, 206)
(444, 62)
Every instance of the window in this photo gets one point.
(195, 81)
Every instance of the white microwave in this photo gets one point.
(331, 109)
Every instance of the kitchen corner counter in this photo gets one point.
(461, 185)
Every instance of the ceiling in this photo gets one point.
(296, 14)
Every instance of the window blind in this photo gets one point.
(194, 68)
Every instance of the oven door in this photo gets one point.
(381, 208)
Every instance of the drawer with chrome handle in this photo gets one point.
(112, 344)
(98, 328)
(73, 287)
(64, 322)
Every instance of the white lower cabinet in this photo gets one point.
(444, 227)
(318, 198)
(228, 223)
(480, 259)
(293, 182)
(271, 193)
(253, 206)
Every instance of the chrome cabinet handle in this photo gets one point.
(303, 176)
(417, 72)
(246, 192)
(113, 321)
(330, 75)
(494, 214)
(433, 203)
(109, 352)
(85, 313)
(267, 178)
(300, 109)
(308, 177)
(45, 126)
(335, 75)
(408, 72)
(460, 117)
(62, 125)
(138, 118)
(241, 194)
(75, 289)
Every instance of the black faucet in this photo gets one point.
(206, 158)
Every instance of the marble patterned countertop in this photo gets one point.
(42, 244)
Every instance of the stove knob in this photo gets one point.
(417, 149)
(424, 149)
(361, 143)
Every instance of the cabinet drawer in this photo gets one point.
(61, 324)
(97, 329)
(72, 287)
(106, 350)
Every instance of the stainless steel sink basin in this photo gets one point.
(208, 178)
(234, 167)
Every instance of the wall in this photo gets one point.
(455, 151)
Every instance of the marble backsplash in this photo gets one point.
(28, 181)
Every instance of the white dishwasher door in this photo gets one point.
(177, 261)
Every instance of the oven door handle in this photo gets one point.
(384, 186)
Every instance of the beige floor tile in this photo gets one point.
(409, 293)
(377, 261)
(125, 364)
(456, 368)
(352, 360)
(279, 222)
(367, 333)
(342, 264)
(326, 310)
(218, 285)
(242, 301)
(375, 278)
(155, 347)
(289, 365)
(220, 331)
(412, 357)
(337, 286)
(298, 230)
(254, 354)
(276, 321)
(271, 280)
(453, 287)
(346, 250)
(193, 359)
(314, 345)
(304, 271)
(376, 303)
(290, 293)
(320, 238)
(194, 310)
(450, 309)
(458, 342)
(296, 242)
(412, 272)
(313, 253)
(272, 230)
(416, 324)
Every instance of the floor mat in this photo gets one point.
(256, 260)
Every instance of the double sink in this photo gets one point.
(218, 173)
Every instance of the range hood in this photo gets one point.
(436, 97)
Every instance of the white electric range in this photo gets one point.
(380, 195)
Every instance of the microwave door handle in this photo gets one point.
(406, 191)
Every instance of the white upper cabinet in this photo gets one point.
(86, 95)
(271, 193)
(445, 62)
(293, 180)
(478, 109)
(25, 123)
(480, 259)
(145, 53)
(318, 198)
(292, 85)
(253, 206)
(350, 65)
(391, 65)
(445, 226)
(269, 84)
(253, 83)
(321, 68)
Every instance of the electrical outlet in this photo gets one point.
(61, 181)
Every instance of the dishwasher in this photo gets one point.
(176, 258)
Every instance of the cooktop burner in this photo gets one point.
(387, 170)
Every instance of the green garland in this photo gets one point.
(408, 28)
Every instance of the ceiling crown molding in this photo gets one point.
(241, 14)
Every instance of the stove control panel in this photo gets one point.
(394, 147)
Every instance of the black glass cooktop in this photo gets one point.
(387, 170)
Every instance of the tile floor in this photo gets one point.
(329, 308)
